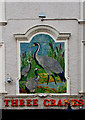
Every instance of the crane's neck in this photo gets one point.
(29, 65)
(37, 76)
(36, 52)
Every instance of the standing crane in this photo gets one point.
(49, 64)
(26, 69)
(32, 84)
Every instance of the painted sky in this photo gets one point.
(44, 40)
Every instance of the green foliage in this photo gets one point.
(62, 89)
(44, 90)
(57, 54)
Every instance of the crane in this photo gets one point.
(26, 69)
(49, 64)
(32, 84)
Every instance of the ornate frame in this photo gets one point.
(58, 36)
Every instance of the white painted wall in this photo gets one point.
(23, 16)
(31, 10)
(2, 49)
(2, 68)
(2, 10)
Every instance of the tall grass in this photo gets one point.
(57, 54)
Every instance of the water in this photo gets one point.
(52, 85)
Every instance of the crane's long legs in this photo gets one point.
(48, 79)
(53, 78)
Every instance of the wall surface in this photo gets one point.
(23, 16)
(31, 10)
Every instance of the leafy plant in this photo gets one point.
(57, 54)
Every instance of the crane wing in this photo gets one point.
(50, 64)
(25, 70)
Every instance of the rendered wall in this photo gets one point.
(21, 17)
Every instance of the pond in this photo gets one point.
(52, 85)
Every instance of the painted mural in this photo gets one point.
(42, 66)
